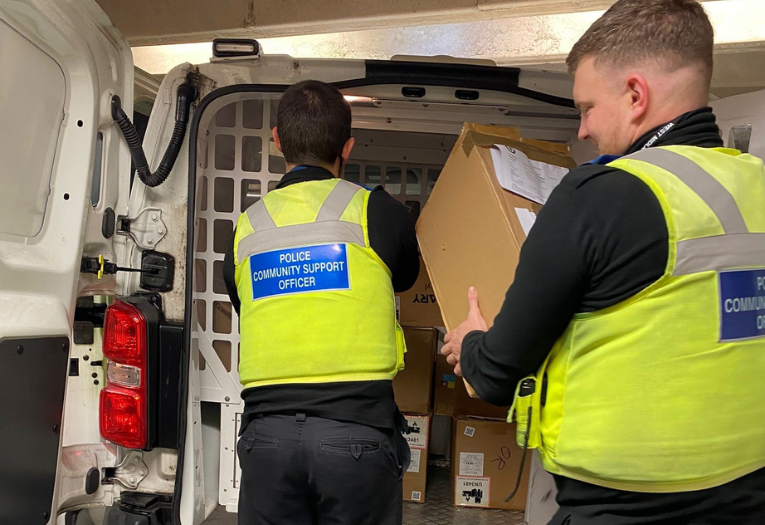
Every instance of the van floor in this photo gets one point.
(437, 509)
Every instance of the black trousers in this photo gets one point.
(299, 470)
(740, 502)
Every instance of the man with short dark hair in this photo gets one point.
(632, 333)
(311, 273)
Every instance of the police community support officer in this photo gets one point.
(314, 265)
(640, 293)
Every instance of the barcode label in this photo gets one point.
(469, 431)
(416, 496)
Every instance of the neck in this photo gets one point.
(662, 117)
(332, 168)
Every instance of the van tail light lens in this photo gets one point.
(123, 417)
(125, 334)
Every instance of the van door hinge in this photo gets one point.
(146, 229)
(129, 473)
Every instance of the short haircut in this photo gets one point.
(674, 33)
(314, 123)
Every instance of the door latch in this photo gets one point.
(100, 267)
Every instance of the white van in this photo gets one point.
(119, 393)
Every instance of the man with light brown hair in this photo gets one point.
(632, 340)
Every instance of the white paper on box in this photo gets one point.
(416, 495)
(528, 178)
(417, 435)
(414, 463)
(526, 218)
(471, 463)
(473, 492)
(469, 431)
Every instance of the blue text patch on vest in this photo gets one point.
(299, 270)
(742, 304)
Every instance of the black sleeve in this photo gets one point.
(228, 275)
(600, 239)
(393, 238)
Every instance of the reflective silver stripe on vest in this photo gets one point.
(300, 235)
(721, 252)
(337, 201)
(328, 227)
(709, 189)
(260, 219)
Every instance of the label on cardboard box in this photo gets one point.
(416, 495)
(527, 219)
(469, 431)
(417, 435)
(414, 463)
(471, 463)
(528, 178)
(449, 380)
(472, 491)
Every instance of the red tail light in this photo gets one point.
(123, 417)
(125, 334)
(124, 406)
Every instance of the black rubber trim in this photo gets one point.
(465, 76)
(378, 72)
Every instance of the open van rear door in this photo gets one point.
(64, 179)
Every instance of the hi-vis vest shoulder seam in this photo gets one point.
(317, 301)
(661, 393)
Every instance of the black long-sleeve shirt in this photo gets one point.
(600, 239)
(392, 237)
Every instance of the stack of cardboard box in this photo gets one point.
(419, 314)
(470, 234)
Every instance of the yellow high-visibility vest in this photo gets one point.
(317, 302)
(665, 391)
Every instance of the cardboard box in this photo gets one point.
(540, 503)
(413, 386)
(470, 233)
(485, 463)
(416, 478)
(450, 397)
(418, 305)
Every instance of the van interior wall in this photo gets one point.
(406, 164)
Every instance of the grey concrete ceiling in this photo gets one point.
(150, 22)
(531, 33)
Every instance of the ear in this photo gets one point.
(345, 155)
(277, 142)
(638, 94)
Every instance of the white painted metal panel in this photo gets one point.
(64, 61)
